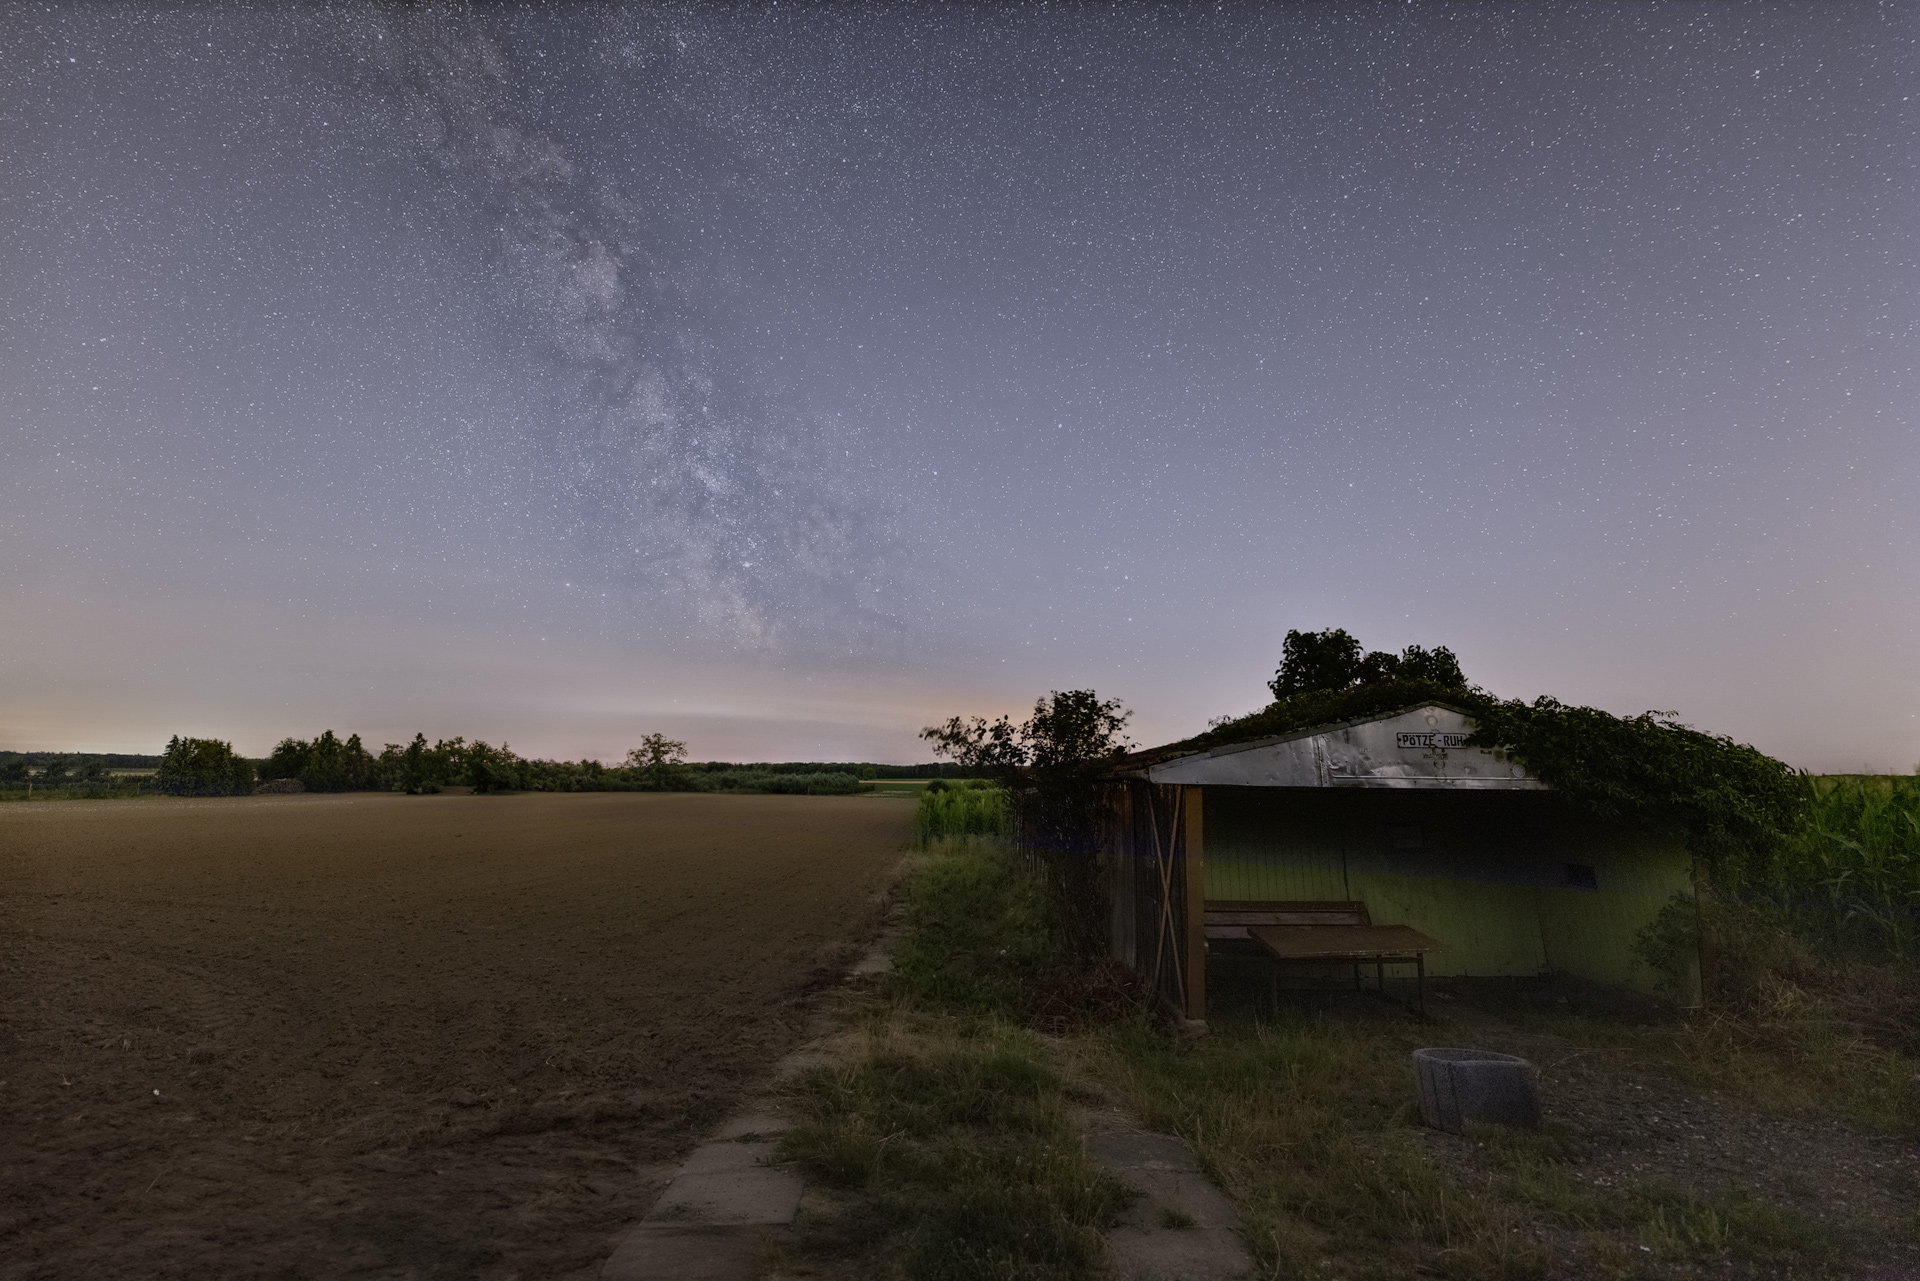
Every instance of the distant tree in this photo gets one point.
(93, 772)
(324, 765)
(287, 760)
(492, 769)
(13, 767)
(53, 771)
(203, 767)
(658, 760)
(417, 768)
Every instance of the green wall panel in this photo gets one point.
(1487, 873)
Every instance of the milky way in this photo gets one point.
(732, 368)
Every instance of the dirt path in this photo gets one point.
(380, 1036)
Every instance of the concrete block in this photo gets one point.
(1170, 1187)
(730, 1184)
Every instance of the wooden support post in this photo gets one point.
(1196, 887)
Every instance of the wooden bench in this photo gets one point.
(1322, 933)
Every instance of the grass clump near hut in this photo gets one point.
(951, 1150)
(942, 1136)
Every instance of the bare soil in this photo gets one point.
(395, 1037)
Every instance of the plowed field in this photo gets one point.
(385, 1037)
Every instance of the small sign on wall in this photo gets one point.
(1429, 741)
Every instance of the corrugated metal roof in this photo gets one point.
(1419, 746)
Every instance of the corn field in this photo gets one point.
(1851, 868)
(959, 814)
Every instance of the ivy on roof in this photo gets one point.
(1730, 803)
(1314, 707)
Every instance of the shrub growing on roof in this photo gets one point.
(1332, 660)
(1731, 804)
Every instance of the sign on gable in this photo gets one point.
(1429, 741)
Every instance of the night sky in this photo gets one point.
(785, 378)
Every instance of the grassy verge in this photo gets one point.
(1810, 1065)
(947, 1146)
(942, 1134)
(1309, 1123)
(946, 1123)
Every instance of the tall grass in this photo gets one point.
(960, 813)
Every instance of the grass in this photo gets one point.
(944, 1130)
(950, 1140)
(1309, 1124)
(946, 1135)
(38, 794)
(1310, 1128)
(979, 931)
(1804, 1062)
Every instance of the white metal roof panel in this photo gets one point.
(1421, 747)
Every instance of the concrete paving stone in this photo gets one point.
(751, 1195)
(727, 1156)
(1168, 1182)
(1135, 1149)
(750, 1124)
(669, 1252)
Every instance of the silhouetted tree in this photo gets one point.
(1053, 766)
(1332, 660)
(203, 767)
(658, 760)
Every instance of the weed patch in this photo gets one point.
(954, 1135)
(1310, 1127)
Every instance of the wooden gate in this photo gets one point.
(1158, 891)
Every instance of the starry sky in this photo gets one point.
(785, 378)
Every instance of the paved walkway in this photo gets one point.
(730, 1199)
(1180, 1227)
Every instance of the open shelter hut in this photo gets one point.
(1390, 820)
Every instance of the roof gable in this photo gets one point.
(1415, 747)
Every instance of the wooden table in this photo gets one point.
(1383, 945)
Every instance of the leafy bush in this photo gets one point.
(1053, 770)
(1315, 707)
(1732, 804)
(203, 767)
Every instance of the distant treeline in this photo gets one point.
(329, 763)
